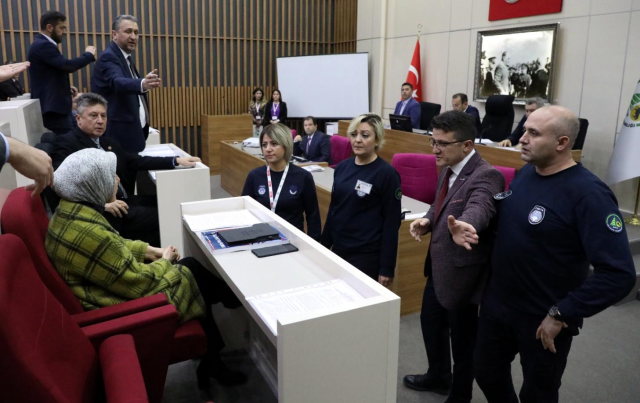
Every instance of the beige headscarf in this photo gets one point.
(87, 176)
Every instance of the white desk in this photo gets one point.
(25, 118)
(177, 186)
(348, 354)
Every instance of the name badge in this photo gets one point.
(363, 187)
(274, 117)
(258, 117)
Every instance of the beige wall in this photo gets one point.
(597, 62)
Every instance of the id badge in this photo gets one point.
(363, 187)
(258, 117)
(274, 117)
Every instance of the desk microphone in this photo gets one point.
(482, 133)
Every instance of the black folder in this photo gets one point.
(256, 233)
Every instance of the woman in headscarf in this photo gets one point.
(104, 269)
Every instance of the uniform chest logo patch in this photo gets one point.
(614, 223)
(503, 195)
(293, 189)
(262, 190)
(360, 193)
(536, 215)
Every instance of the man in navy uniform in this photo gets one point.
(556, 219)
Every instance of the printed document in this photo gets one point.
(227, 219)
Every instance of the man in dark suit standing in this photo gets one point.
(49, 72)
(460, 102)
(133, 216)
(117, 79)
(314, 146)
(455, 275)
(408, 106)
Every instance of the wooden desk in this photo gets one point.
(347, 353)
(399, 142)
(409, 280)
(215, 128)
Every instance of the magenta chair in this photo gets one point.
(418, 175)
(293, 133)
(26, 218)
(46, 357)
(340, 149)
(508, 173)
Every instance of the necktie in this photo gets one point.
(308, 144)
(134, 73)
(443, 193)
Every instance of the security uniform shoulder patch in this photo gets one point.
(502, 195)
(398, 194)
(614, 223)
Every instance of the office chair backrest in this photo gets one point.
(44, 355)
(418, 175)
(25, 217)
(582, 134)
(508, 173)
(428, 111)
(340, 149)
(498, 120)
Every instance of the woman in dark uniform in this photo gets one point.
(364, 214)
(276, 109)
(286, 189)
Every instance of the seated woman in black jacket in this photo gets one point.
(286, 189)
(276, 109)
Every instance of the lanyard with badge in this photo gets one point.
(272, 201)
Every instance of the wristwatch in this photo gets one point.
(554, 312)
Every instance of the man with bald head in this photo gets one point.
(556, 219)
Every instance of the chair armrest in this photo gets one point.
(153, 332)
(116, 311)
(121, 373)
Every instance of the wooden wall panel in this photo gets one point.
(210, 54)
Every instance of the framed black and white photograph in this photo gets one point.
(516, 61)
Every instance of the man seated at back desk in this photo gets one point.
(408, 106)
(514, 139)
(460, 102)
(134, 217)
(314, 146)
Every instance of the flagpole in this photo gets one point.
(634, 220)
(419, 30)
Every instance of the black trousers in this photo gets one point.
(57, 123)
(213, 290)
(141, 222)
(503, 333)
(366, 262)
(438, 324)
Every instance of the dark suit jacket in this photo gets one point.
(473, 111)
(412, 109)
(128, 163)
(10, 89)
(113, 80)
(269, 109)
(319, 150)
(459, 275)
(518, 132)
(49, 75)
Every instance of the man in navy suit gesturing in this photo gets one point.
(49, 72)
(116, 79)
(408, 106)
(314, 146)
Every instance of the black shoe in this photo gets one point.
(423, 382)
(220, 372)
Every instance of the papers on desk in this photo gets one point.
(313, 168)
(253, 142)
(228, 219)
(162, 150)
(414, 216)
(485, 141)
(280, 304)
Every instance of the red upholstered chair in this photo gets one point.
(418, 175)
(293, 133)
(340, 149)
(25, 217)
(508, 173)
(46, 357)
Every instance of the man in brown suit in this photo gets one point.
(456, 275)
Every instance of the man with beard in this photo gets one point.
(49, 72)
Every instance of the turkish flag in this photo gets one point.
(413, 77)
(505, 9)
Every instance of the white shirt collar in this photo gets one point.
(49, 38)
(457, 168)
(465, 109)
(125, 54)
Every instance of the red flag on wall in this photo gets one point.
(505, 9)
(413, 76)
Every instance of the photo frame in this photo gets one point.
(516, 61)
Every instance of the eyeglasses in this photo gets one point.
(443, 144)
